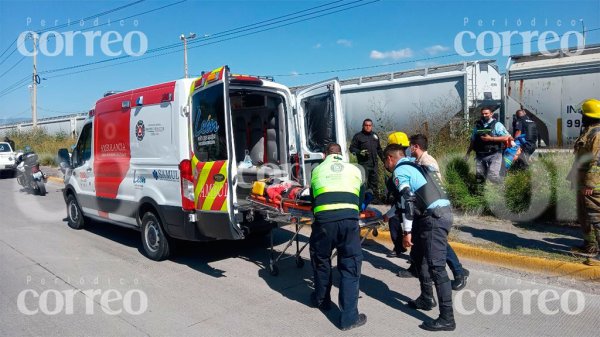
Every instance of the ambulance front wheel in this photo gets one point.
(156, 243)
(75, 218)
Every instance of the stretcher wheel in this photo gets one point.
(375, 232)
(299, 262)
(273, 270)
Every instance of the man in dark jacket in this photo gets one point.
(487, 140)
(366, 147)
(10, 141)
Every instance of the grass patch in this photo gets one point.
(538, 193)
(44, 144)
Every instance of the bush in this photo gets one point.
(47, 159)
(461, 185)
(43, 143)
(540, 192)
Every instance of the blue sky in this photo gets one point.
(374, 37)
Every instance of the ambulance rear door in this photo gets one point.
(321, 121)
(213, 157)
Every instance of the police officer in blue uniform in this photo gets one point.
(336, 189)
(425, 203)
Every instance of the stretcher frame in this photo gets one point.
(298, 213)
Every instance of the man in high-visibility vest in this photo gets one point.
(336, 189)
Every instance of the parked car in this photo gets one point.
(7, 159)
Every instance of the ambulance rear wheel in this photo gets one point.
(156, 243)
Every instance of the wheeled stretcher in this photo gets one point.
(285, 212)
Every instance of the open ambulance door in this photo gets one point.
(213, 157)
(321, 121)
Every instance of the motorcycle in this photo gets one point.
(29, 174)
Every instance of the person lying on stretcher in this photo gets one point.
(276, 189)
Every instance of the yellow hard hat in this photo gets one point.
(399, 138)
(591, 108)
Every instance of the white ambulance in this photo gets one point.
(177, 160)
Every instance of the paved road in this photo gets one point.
(56, 281)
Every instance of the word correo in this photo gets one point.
(65, 43)
(490, 43)
(53, 302)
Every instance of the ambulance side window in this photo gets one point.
(83, 149)
(208, 108)
(319, 119)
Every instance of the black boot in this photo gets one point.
(446, 320)
(460, 281)
(425, 301)
(439, 324)
(443, 323)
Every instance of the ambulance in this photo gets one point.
(177, 160)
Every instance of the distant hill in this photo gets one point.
(4, 121)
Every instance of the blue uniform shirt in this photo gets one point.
(499, 130)
(410, 176)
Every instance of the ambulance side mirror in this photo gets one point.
(64, 160)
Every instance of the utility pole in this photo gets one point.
(583, 31)
(35, 79)
(185, 63)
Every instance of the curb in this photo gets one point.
(515, 261)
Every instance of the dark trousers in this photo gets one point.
(371, 175)
(344, 235)
(395, 224)
(396, 233)
(453, 262)
(431, 251)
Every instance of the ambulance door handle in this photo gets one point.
(89, 170)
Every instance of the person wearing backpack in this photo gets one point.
(525, 128)
(487, 140)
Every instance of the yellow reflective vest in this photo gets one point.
(335, 188)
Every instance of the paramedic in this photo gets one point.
(585, 176)
(424, 201)
(487, 139)
(336, 190)
(366, 147)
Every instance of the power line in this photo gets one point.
(15, 86)
(62, 112)
(403, 62)
(216, 36)
(13, 67)
(100, 25)
(300, 74)
(259, 24)
(230, 38)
